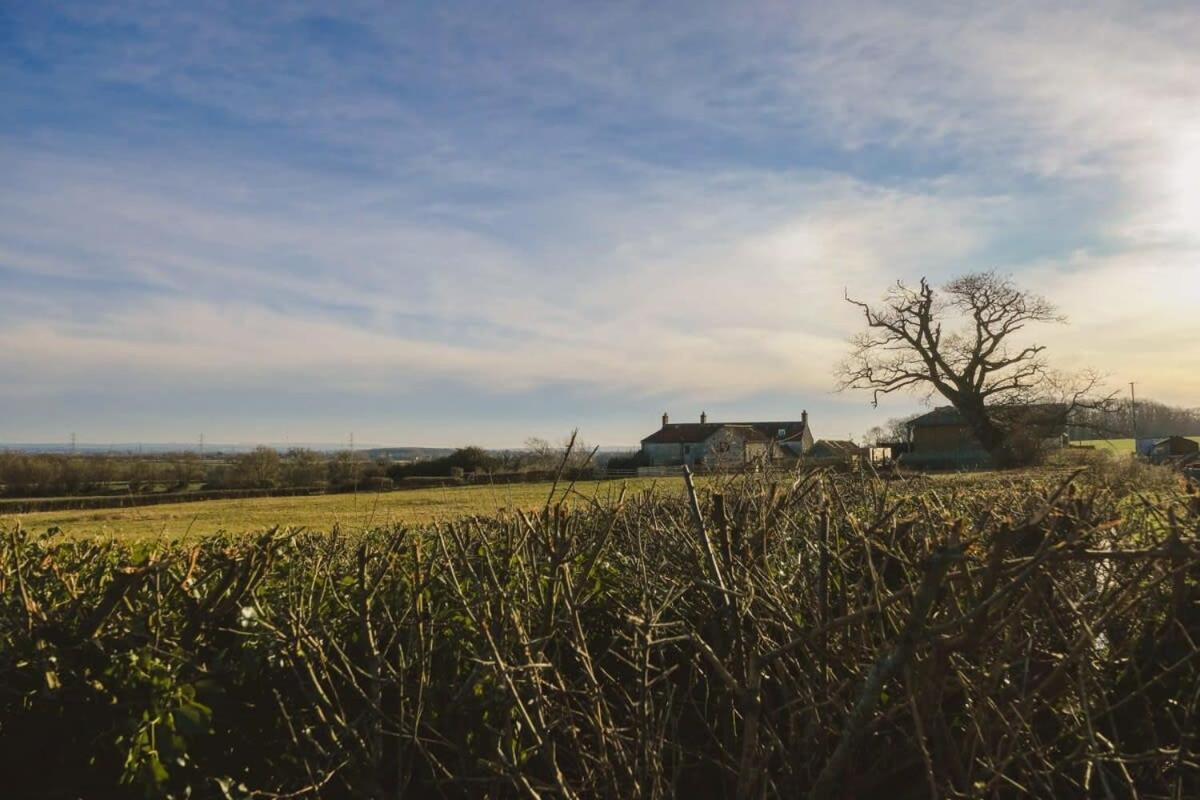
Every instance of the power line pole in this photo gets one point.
(202, 445)
(73, 443)
(1133, 414)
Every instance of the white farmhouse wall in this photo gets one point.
(663, 455)
(724, 448)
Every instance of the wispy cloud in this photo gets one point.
(642, 204)
(651, 304)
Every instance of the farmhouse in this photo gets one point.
(942, 438)
(717, 444)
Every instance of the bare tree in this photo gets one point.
(542, 454)
(874, 436)
(899, 429)
(959, 342)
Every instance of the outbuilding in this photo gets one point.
(943, 438)
(834, 451)
(1171, 447)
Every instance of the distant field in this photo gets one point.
(1118, 445)
(354, 512)
(322, 512)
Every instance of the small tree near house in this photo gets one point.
(896, 429)
(961, 342)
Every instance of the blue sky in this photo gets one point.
(450, 223)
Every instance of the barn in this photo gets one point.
(835, 451)
(943, 439)
(1167, 448)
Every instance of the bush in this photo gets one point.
(258, 469)
(1123, 472)
(628, 461)
(460, 462)
(825, 637)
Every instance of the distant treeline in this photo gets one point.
(54, 475)
(51, 475)
(33, 505)
(1152, 419)
(539, 459)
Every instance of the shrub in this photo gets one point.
(822, 637)
(1124, 472)
(378, 483)
(458, 463)
(628, 461)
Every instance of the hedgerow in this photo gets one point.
(815, 635)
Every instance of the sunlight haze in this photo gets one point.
(451, 224)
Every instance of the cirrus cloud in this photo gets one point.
(567, 215)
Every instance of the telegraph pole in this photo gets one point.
(1133, 414)
(73, 443)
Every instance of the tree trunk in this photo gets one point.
(993, 438)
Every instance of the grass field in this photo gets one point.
(351, 512)
(322, 512)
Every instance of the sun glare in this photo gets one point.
(1183, 189)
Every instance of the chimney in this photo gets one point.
(664, 419)
(804, 418)
(703, 417)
